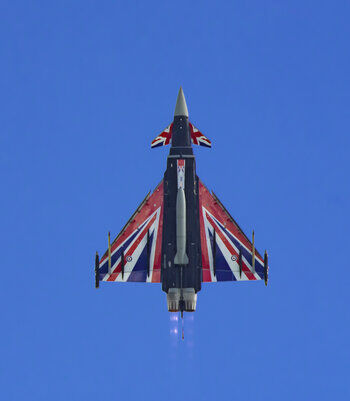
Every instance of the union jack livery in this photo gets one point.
(135, 254)
(197, 138)
(163, 138)
(181, 235)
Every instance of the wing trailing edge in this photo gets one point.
(135, 254)
(227, 253)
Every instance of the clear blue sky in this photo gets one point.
(84, 88)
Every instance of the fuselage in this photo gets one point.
(181, 235)
(181, 272)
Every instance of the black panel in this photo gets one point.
(188, 276)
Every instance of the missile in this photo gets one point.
(109, 254)
(253, 254)
(122, 263)
(214, 252)
(148, 254)
(181, 257)
(240, 263)
(97, 263)
(266, 268)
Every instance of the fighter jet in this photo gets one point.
(181, 235)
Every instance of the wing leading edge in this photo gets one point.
(227, 254)
(136, 251)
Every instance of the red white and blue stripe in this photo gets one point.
(164, 138)
(229, 241)
(140, 243)
(198, 138)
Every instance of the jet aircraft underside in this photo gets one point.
(181, 235)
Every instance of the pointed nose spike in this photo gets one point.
(181, 106)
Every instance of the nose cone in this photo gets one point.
(181, 106)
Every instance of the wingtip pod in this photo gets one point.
(181, 106)
(97, 263)
(266, 268)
